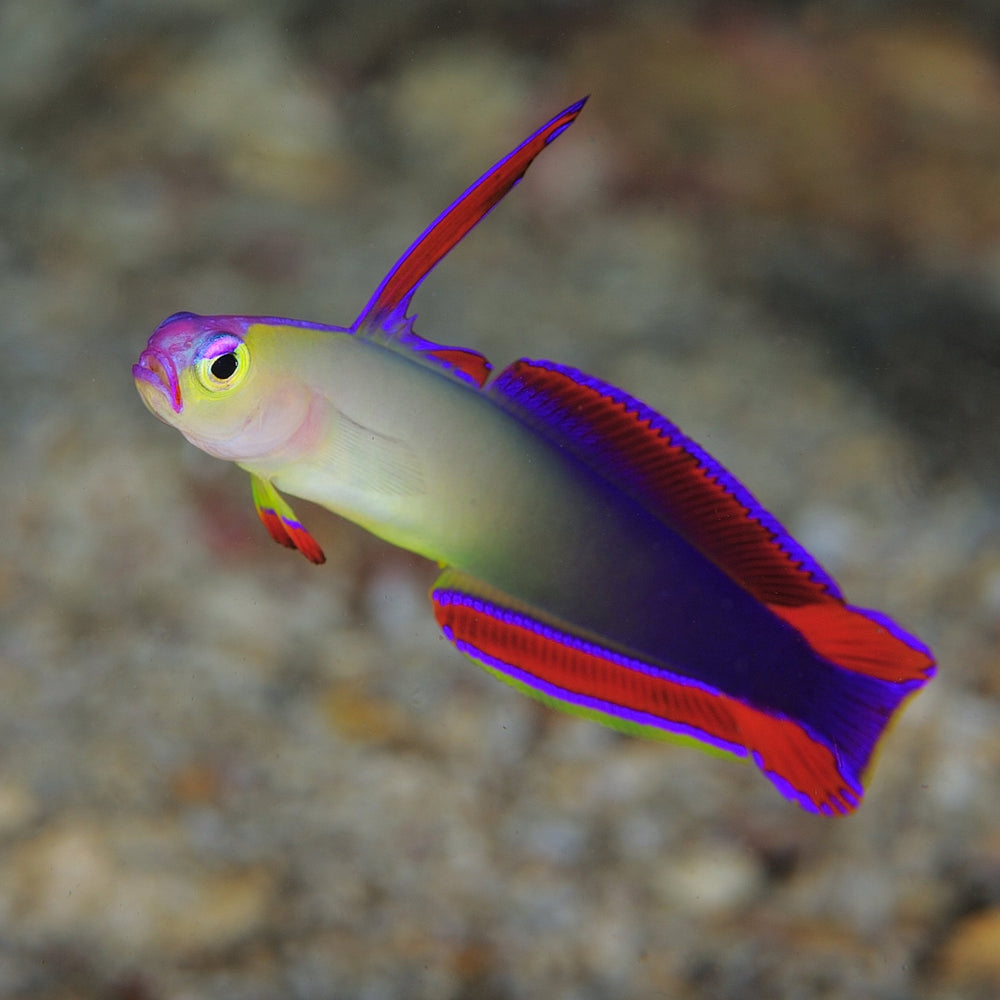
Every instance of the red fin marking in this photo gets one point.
(470, 363)
(671, 475)
(462, 362)
(862, 641)
(292, 535)
(800, 767)
(305, 542)
(392, 298)
(275, 528)
(583, 677)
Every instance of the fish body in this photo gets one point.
(595, 557)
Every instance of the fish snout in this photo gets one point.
(157, 369)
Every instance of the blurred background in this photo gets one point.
(229, 774)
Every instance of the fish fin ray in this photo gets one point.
(553, 662)
(367, 460)
(280, 520)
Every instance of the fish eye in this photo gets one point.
(224, 363)
(224, 367)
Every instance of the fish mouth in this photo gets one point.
(158, 370)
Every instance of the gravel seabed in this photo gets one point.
(230, 774)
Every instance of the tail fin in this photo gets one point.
(848, 715)
(878, 667)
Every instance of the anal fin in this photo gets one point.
(646, 455)
(549, 660)
(280, 520)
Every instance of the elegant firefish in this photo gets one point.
(594, 556)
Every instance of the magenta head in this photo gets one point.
(182, 341)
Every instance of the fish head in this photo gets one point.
(220, 382)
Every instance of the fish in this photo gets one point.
(592, 555)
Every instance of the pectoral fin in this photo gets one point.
(280, 520)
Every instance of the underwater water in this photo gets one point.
(228, 773)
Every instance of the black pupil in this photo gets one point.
(224, 366)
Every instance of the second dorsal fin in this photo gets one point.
(645, 454)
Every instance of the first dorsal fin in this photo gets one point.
(676, 479)
(389, 305)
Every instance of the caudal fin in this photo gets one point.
(879, 666)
